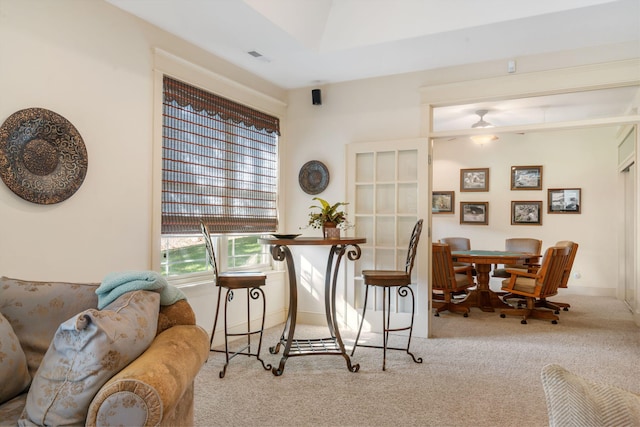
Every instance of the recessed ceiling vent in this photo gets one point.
(259, 56)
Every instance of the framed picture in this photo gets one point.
(474, 213)
(564, 200)
(442, 202)
(526, 177)
(474, 179)
(526, 213)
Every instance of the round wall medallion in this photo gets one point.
(313, 177)
(43, 158)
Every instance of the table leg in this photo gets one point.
(330, 282)
(318, 346)
(281, 253)
(483, 297)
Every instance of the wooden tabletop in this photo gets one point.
(319, 241)
(491, 257)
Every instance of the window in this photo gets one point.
(219, 165)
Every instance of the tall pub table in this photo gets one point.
(483, 297)
(333, 344)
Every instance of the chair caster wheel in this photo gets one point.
(524, 322)
(503, 315)
(555, 322)
(465, 315)
(556, 312)
(437, 314)
(565, 309)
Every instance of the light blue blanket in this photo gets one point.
(119, 283)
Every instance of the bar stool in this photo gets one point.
(387, 279)
(233, 281)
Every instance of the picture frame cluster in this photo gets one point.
(523, 212)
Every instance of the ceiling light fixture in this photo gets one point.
(482, 124)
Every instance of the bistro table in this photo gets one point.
(332, 345)
(483, 297)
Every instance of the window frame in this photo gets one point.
(178, 68)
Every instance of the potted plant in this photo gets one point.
(328, 217)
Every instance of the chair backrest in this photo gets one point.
(551, 273)
(413, 247)
(457, 243)
(572, 255)
(522, 244)
(443, 275)
(211, 256)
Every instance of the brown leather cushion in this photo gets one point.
(386, 277)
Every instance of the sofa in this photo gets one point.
(63, 361)
(576, 401)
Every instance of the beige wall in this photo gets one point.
(93, 64)
(585, 159)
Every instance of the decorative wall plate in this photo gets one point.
(43, 158)
(313, 177)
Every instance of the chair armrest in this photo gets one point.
(463, 269)
(152, 385)
(515, 272)
(532, 267)
(511, 281)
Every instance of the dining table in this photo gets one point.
(340, 248)
(482, 296)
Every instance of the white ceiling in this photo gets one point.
(312, 42)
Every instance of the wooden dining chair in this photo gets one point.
(234, 281)
(401, 281)
(458, 244)
(448, 280)
(534, 286)
(519, 244)
(557, 306)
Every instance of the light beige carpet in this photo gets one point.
(477, 371)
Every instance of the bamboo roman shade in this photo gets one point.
(219, 164)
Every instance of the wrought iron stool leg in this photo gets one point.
(255, 294)
(386, 301)
(228, 297)
(215, 319)
(364, 309)
(413, 311)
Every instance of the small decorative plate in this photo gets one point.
(313, 177)
(285, 236)
(43, 158)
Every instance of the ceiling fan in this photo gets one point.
(482, 123)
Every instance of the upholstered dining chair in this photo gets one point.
(401, 281)
(448, 280)
(534, 286)
(458, 244)
(234, 281)
(557, 306)
(519, 244)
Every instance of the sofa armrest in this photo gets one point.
(153, 384)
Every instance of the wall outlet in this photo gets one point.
(511, 66)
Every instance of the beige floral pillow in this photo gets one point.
(86, 351)
(14, 374)
(36, 309)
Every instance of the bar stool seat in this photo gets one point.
(252, 282)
